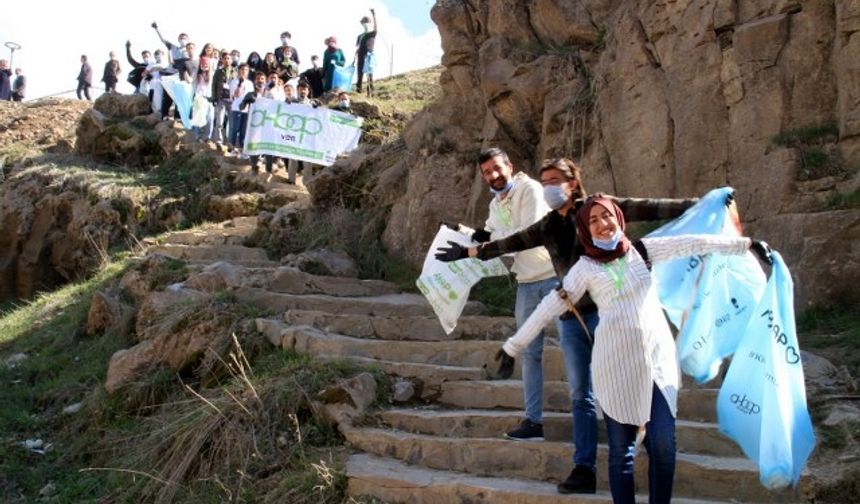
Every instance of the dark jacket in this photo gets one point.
(5, 84)
(19, 87)
(137, 68)
(111, 72)
(219, 80)
(558, 234)
(86, 74)
(314, 76)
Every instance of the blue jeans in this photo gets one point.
(237, 123)
(660, 443)
(576, 349)
(528, 297)
(576, 346)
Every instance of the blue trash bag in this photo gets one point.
(708, 298)
(342, 78)
(183, 96)
(762, 402)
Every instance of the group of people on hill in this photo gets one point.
(11, 89)
(616, 343)
(229, 85)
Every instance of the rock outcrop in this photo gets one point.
(665, 99)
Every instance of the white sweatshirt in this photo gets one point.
(523, 206)
(633, 346)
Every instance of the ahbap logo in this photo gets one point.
(744, 405)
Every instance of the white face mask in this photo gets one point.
(147, 60)
(344, 103)
(183, 41)
(555, 195)
(285, 40)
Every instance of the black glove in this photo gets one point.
(154, 25)
(762, 250)
(481, 235)
(730, 198)
(127, 44)
(506, 366)
(453, 253)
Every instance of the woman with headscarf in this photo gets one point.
(634, 364)
(331, 57)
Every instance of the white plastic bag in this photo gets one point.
(446, 285)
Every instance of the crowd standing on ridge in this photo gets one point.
(224, 85)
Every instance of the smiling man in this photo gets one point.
(518, 203)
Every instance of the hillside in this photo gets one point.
(175, 328)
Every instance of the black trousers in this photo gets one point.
(84, 88)
(362, 55)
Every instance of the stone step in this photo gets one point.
(211, 253)
(392, 481)
(386, 305)
(288, 280)
(696, 404)
(465, 354)
(428, 377)
(691, 437)
(420, 328)
(201, 264)
(696, 476)
(232, 232)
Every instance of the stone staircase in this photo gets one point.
(447, 445)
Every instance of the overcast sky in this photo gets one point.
(53, 34)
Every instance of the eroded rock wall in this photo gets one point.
(653, 98)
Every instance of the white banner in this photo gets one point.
(446, 285)
(300, 132)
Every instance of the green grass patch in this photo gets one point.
(807, 135)
(254, 437)
(833, 332)
(499, 294)
(842, 201)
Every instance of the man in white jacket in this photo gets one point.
(518, 203)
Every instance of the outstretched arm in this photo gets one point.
(551, 307)
(649, 209)
(375, 24)
(128, 55)
(673, 247)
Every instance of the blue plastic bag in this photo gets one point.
(708, 298)
(183, 95)
(342, 78)
(762, 402)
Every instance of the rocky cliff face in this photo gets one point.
(652, 98)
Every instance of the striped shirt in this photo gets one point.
(633, 346)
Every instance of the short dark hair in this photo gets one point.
(286, 34)
(488, 154)
(259, 74)
(570, 171)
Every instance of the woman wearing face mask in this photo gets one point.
(636, 374)
(255, 62)
(563, 192)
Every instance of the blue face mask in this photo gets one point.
(611, 243)
(555, 196)
(503, 190)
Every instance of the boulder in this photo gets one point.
(122, 106)
(323, 262)
(119, 142)
(105, 311)
(220, 208)
(341, 404)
